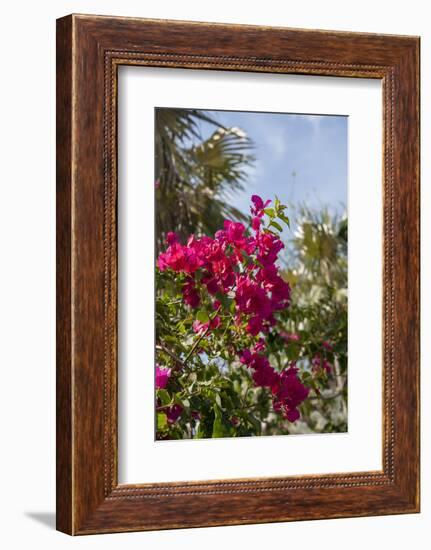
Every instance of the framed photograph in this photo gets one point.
(237, 274)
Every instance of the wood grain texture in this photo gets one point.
(90, 49)
(64, 497)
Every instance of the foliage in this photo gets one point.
(317, 273)
(246, 348)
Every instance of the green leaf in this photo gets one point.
(218, 400)
(164, 397)
(293, 351)
(202, 316)
(186, 403)
(255, 423)
(224, 300)
(266, 230)
(204, 429)
(270, 212)
(219, 427)
(306, 377)
(162, 421)
(276, 225)
(284, 218)
(177, 399)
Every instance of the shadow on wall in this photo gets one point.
(45, 518)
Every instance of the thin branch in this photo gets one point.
(195, 345)
(197, 342)
(162, 347)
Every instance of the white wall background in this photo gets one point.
(27, 280)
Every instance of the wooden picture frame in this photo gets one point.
(89, 51)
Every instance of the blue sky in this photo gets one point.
(300, 158)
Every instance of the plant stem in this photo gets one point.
(162, 347)
(195, 345)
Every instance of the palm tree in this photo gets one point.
(317, 254)
(195, 177)
(317, 272)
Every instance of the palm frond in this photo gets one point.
(195, 175)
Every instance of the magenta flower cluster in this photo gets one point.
(162, 377)
(236, 265)
(287, 390)
(243, 268)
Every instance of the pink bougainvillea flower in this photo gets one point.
(321, 363)
(251, 298)
(179, 258)
(288, 391)
(200, 327)
(265, 376)
(257, 201)
(237, 256)
(291, 414)
(259, 205)
(255, 223)
(215, 323)
(234, 421)
(291, 388)
(190, 294)
(211, 283)
(173, 413)
(162, 377)
(171, 237)
(161, 262)
(327, 345)
(223, 273)
(255, 325)
(234, 232)
(290, 336)
(220, 236)
(269, 246)
(193, 262)
(173, 258)
(246, 357)
(259, 346)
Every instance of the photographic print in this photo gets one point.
(237, 230)
(251, 274)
